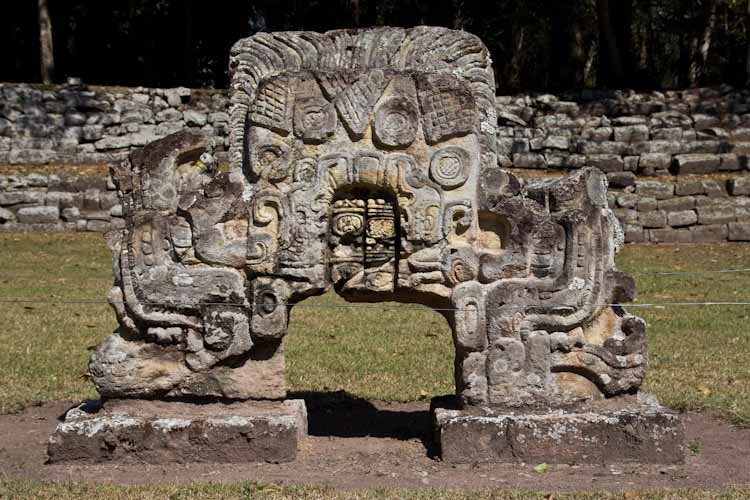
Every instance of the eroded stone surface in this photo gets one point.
(156, 432)
(624, 430)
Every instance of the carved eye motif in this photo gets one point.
(314, 119)
(449, 167)
(396, 122)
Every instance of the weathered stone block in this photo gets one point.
(6, 215)
(605, 147)
(715, 215)
(654, 161)
(194, 118)
(619, 180)
(739, 231)
(696, 164)
(627, 200)
(634, 233)
(729, 162)
(161, 433)
(682, 218)
(654, 219)
(556, 142)
(626, 215)
(709, 233)
(606, 162)
(667, 134)
(714, 189)
(654, 189)
(676, 204)
(631, 133)
(670, 235)
(630, 163)
(647, 204)
(17, 197)
(689, 188)
(642, 432)
(737, 187)
(71, 214)
(38, 215)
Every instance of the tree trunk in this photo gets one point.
(747, 37)
(355, 12)
(458, 17)
(46, 54)
(610, 54)
(514, 73)
(700, 47)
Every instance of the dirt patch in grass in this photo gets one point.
(382, 447)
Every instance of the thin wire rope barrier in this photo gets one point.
(378, 306)
(638, 273)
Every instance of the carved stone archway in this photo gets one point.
(366, 161)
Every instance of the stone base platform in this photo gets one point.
(623, 429)
(155, 432)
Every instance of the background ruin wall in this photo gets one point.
(677, 161)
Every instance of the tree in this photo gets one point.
(46, 54)
(700, 46)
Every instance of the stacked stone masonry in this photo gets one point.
(627, 134)
(630, 136)
(77, 124)
(58, 202)
(624, 133)
(695, 209)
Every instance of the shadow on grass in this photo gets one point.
(340, 414)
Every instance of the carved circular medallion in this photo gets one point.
(396, 122)
(449, 167)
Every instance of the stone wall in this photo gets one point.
(628, 134)
(694, 209)
(58, 202)
(76, 124)
(691, 210)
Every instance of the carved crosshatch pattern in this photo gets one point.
(364, 161)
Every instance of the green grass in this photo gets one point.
(248, 491)
(698, 354)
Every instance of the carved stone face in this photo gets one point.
(375, 158)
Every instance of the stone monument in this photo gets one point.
(365, 162)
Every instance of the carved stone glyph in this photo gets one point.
(364, 161)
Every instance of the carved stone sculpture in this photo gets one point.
(365, 162)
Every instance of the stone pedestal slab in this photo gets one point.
(624, 429)
(175, 432)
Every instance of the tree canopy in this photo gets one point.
(535, 44)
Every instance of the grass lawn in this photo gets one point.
(699, 355)
(254, 491)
